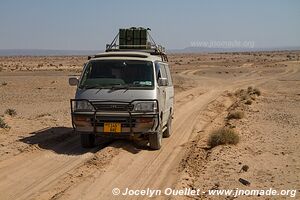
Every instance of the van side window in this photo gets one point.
(160, 71)
(163, 71)
(157, 71)
(170, 82)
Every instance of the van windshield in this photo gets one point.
(118, 74)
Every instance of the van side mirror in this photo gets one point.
(73, 81)
(162, 81)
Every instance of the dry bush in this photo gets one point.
(248, 102)
(43, 115)
(4, 83)
(250, 89)
(240, 92)
(11, 112)
(247, 95)
(256, 91)
(223, 136)
(235, 115)
(3, 123)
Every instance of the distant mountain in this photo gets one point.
(216, 50)
(48, 52)
(45, 52)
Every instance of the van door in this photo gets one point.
(169, 90)
(161, 91)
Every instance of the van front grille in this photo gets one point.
(113, 107)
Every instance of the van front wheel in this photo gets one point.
(167, 132)
(155, 140)
(87, 140)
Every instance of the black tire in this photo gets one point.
(87, 140)
(167, 133)
(155, 140)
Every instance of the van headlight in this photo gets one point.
(83, 106)
(145, 106)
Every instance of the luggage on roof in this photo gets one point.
(133, 38)
(136, 39)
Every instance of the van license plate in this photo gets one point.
(112, 127)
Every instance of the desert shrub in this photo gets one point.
(240, 92)
(245, 97)
(248, 102)
(256, 91)
(3, 123)
(237, 92)
(3, 83)
(235, 115)
(11, 112)
(223, 136)
(43, 115)
(250, 89)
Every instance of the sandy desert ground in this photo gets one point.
(41, 157)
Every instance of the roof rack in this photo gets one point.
(142, 44)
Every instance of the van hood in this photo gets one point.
(115, 95)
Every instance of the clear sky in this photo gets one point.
(90, 24)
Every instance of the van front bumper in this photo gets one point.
(131, 123)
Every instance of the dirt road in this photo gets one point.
(56, 167)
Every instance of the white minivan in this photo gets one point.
(123, 94)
